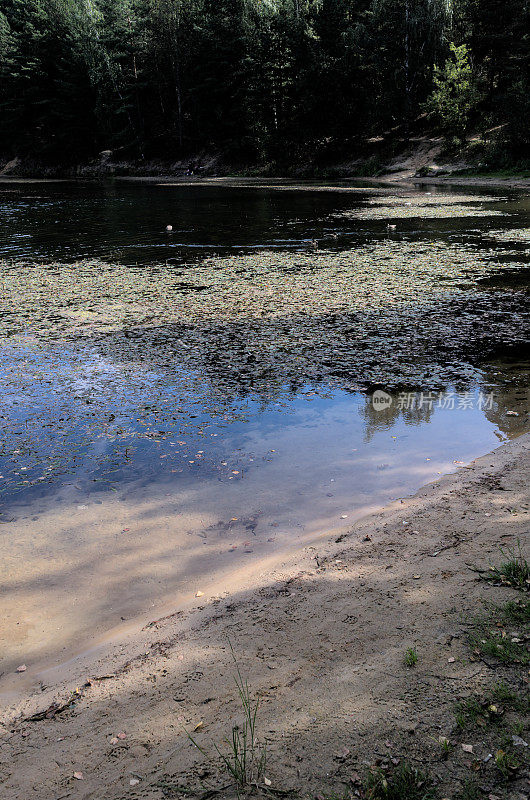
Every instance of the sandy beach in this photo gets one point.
(264, 400)
(320, 637)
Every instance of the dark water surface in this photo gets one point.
(257, 444)
(121, 222)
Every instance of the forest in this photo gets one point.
(262, 81)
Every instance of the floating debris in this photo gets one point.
(429, 199)
(103, 361)
(512, 235)
(407, 210)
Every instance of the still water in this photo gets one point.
(204, 404)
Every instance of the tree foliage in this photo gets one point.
(267, 79)
(455, 94)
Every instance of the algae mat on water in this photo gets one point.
(392, 312)
(422, 212)
(430, 199)
(423, 206)
(99, 351)
(63, 299)
(519, 235)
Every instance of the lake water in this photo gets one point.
(181, 408)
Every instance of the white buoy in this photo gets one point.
(169, 228)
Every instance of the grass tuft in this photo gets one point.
(404, 783)
(469, 712)
(445, 747)
(514, 571)
(506, 697)
(470, 790)
(507, 763)
(490, 708)
(502, 633)
(244, 758)
(411, 657)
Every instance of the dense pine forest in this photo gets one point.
(263, 81)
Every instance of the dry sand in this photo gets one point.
(320, 637)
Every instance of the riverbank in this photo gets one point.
(321, 638)
(389, 182)
(415, 167)
(478, 181)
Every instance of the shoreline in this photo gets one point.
(390, 180)
(331, 621)
(317, 183)
(81, 577)
(73, 624)
(479, 181)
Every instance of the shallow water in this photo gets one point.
(168, 421)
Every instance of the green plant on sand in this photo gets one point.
(404, 783)
(514, 571)
(244, 758)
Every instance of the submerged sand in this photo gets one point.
(319, 635)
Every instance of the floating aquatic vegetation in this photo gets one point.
(511, 235)
(93, 297)
(271, 317)
(100, 358)
(426, 211)
(430, 199)
(425, 205)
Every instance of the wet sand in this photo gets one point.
(81, 567)
(319, 634)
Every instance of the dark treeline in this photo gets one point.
(267, 80)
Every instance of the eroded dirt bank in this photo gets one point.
(321, 639)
